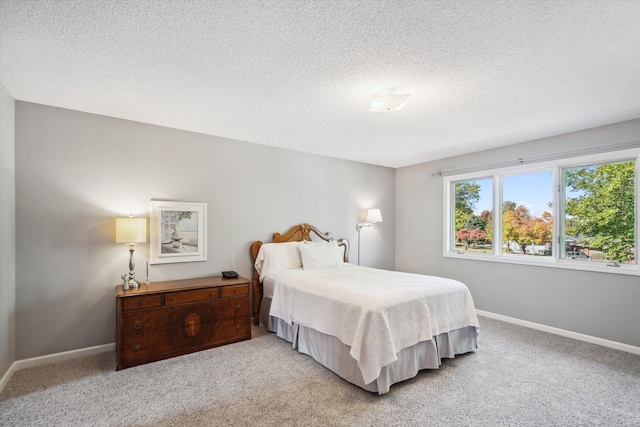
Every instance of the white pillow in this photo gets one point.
(319, 256)
(274, 257)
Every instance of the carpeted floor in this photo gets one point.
(518, 377)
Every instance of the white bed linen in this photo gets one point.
(268, 284)
(376, 313)
(330, 352)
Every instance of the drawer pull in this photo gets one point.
(213, 294)
(238, 307)
(137, 324)
(143, 302)
(173, 299)
(137, 348)
(237, 327)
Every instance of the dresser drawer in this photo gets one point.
(135, 303)
(172, 316)
(234, 291)
(145, 321)
(232, 329)
(191, 296)
(231, 307)
(142, 346)
(165, 341)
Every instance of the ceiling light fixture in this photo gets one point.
(388, 101)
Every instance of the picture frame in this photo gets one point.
(178, 232)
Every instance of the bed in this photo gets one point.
(373, 328)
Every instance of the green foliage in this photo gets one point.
(508, 205)
(474, 222)
(487, 218)
(467, 194)
(603, 212)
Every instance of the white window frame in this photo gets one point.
(556, 167)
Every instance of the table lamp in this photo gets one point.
(131, 231)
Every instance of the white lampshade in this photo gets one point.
(388, 102)
(131, 230)
(374, 215)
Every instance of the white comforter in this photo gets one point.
(376, 312)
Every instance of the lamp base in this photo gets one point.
(133, 283)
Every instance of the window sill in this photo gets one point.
(594, 266)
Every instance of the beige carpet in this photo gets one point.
(518, 377)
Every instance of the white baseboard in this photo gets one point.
(65, 355)
(7, 376)
(53, 358)
(562, 332)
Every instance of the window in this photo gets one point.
(473, 215)
(580, 213)
(600, 212)
(527, 221)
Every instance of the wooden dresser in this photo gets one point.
(167, 319)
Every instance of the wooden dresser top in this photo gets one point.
(179, 285)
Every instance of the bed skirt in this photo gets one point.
(332, 353)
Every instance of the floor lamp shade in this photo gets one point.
(131, 230)
(374, 215)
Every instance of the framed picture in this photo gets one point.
(178, 232)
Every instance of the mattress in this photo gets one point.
(268, 285)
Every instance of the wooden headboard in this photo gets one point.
(297, 233)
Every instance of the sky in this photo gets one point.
(534, 191)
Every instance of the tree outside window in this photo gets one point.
(600, 212)
(473, 228)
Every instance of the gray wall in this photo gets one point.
(76, 172)
(7, 231)
(597, 304)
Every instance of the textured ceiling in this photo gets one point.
(300, 74)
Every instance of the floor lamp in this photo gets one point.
(373, 216)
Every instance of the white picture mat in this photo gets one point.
(192, 244)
